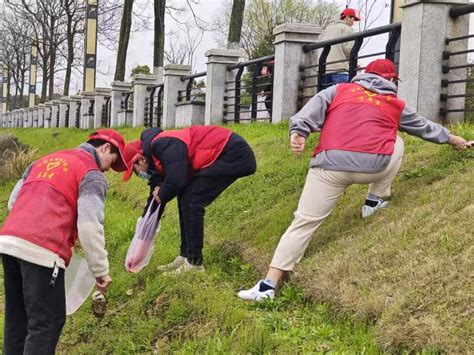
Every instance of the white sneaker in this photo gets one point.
(186, 266)
(254, 294)
(176, 263)
(368, 210)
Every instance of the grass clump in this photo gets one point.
(14, 157)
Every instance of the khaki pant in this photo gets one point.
(320, 194)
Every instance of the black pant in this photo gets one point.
(236, 160)
(35, 311)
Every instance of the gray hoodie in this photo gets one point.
(90, 220)
(311, 119)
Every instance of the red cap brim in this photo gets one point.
(129, 170)
(128, 174)
(120, 164)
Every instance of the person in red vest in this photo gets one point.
(60, 198)
(196, 165)
(358, 145)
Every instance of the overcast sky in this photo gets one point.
(140, 49)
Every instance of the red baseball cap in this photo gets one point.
(382, 67)
(116, 139)
(350, 12)
(133, 151)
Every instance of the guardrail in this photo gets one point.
(193, 92)
(251, 95)
(314, 78)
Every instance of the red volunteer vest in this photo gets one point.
(361, 121)
(45, 212)
(204, 144)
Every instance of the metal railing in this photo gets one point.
(315, 78)
(457, 95)
(154, 106)
(78, 115)
(249, 96)
(57, 117)
(106, 112)
(66, 116)
(194, 91)
(127, 101)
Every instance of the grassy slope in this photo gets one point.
(407, 271)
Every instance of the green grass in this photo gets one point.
(398, 281)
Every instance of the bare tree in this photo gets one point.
(123, 40)
(235, 25)
(74, 13)
(16, 57)
(183, 44)
(261, 17)
(159, 33)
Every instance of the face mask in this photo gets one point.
(144, 175)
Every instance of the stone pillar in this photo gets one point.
(118, 89)
(74, 110)
(18, 118)
(190, 113)
(48, 119)
(55, 114)
(35, 116)
(41, 109)
(87, 110)
(140, 83)
(289, 41)
(172, 83)
(63, 108)
(425, 26)
(24, 118)
(29, 121)
(217, 62)
(100, 95)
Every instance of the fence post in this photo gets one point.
(140, 84)
(63, 106)
(35, 116)
(73, 105)
(41, 108)
(217, 62)
(289, 41)
(172, 83)
(87, 116)
(29, 123)
(421, 49)
(24, 118)
(100, 94)
(118, 88)
(47, 114)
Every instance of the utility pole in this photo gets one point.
(90, 47)
(32, 81)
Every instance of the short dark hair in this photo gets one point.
(96, 143)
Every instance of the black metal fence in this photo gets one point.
(457, 95)
(316, 77)
(127, 101)
(106, 112)
(195, 90)
(78, 115)
(154, 106)
(249, 96)
(66, 114)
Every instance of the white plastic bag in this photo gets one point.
(141, 248)
(79, 282)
